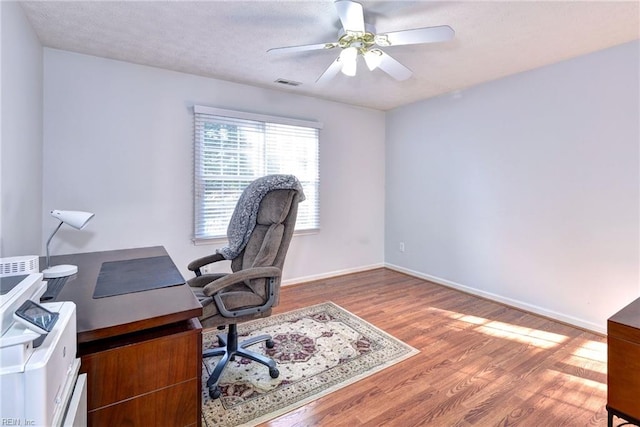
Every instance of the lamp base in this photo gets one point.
(59, 271)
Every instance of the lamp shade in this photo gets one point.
(76, 219)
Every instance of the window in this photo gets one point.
(233, 148)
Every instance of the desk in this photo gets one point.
(142, 351)
(623, 351)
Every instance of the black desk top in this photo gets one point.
(99, 318)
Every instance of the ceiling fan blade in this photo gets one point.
(393, 67)
(351, 15)
(416, 36)
(303, 48)
(330, 72)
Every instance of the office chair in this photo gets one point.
(259, 235)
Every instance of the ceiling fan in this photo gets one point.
(357, 38)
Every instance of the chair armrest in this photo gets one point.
(212, 287)
(200, 262)
(204, 279)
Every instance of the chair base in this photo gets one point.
(229, 349)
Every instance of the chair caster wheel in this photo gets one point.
(214, 392)
(269, 343)
(274, 373)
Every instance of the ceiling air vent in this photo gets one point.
(288, 82)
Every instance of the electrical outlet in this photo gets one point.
(401, 247)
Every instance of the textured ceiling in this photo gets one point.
(228, 40)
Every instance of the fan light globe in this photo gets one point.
(373, 58)
(349, 59)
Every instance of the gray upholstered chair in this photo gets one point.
(253, 288)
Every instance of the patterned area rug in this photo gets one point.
(318, 350)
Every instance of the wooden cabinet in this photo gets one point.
(150, 378)
(623, 377)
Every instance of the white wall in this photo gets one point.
(118, 142)
(525, 189)
(21, 141)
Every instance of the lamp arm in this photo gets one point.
(49, 241)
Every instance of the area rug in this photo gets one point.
(318, 350)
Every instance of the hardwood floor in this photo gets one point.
(480, 363)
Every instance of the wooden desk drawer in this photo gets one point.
(623, 379)
(146, 375)
(174, 406)
(623, 332)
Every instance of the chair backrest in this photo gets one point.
(270, 239)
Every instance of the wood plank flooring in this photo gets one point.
(480, 363)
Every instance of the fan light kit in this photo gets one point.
(358, 38)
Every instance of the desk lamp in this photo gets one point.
(75, 219)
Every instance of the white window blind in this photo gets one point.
(233, 148)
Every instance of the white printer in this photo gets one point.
(38, 366)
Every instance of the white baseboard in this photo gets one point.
(574, 321)
(331, 274)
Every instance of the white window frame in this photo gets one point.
(209, 214)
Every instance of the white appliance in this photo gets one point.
(39, 381)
